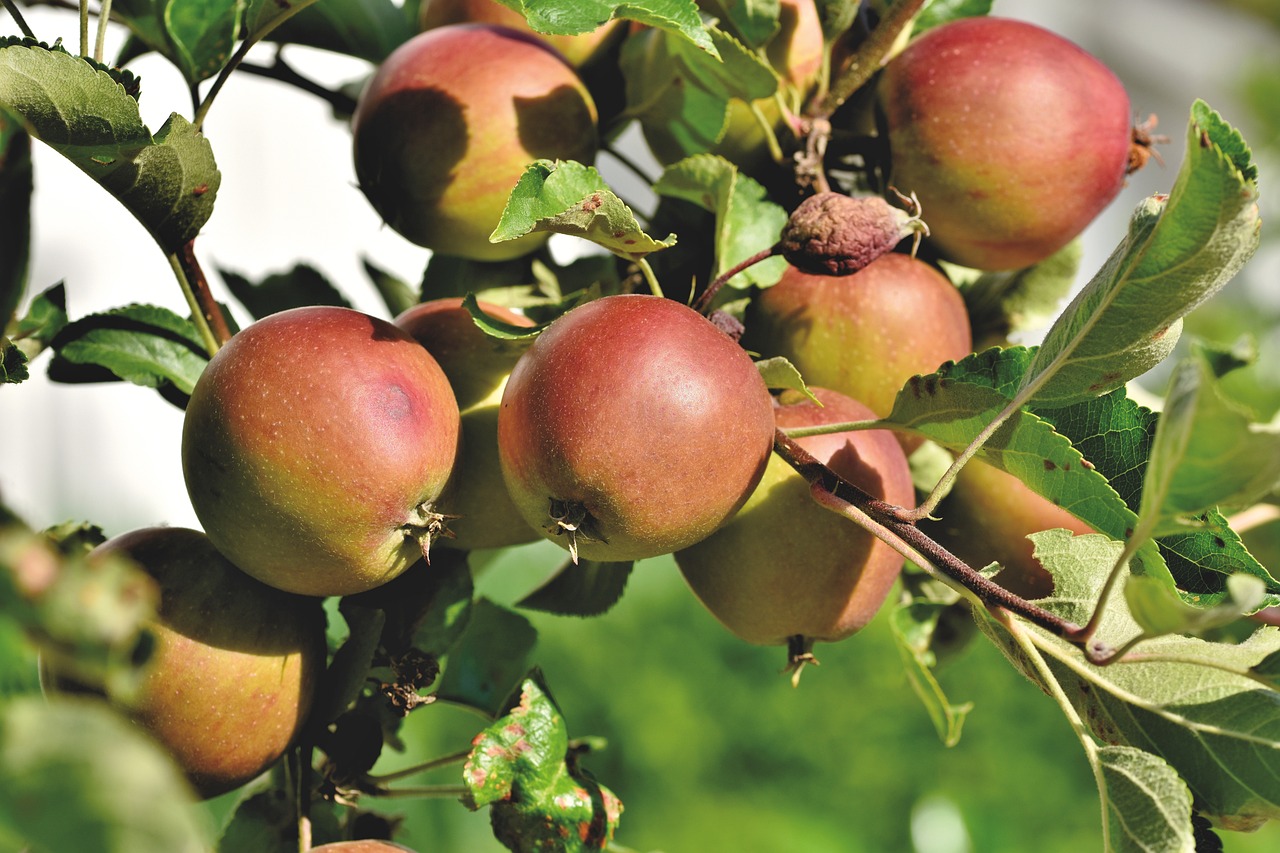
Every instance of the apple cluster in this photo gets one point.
(326, 451)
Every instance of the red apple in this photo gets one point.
(633, 427)
(785, 570)
(866, 334)
(236, 662)
(315, 446)
(1012, 137)
(446, 126)
(477, 366)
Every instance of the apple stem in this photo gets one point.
(884, 520)
(703, 304)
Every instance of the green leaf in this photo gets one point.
(1194, 702)
(754, 22)
(366, 29)
(265, 817)
(1160, 611)
(396, 293)
(1207, 453)
(681, 95)
(13, 363)
(143, 344)
(489, 659)
(747, 221)
(497, 328)
(913, 627)
(76, 776)
(524, 768)
(450, 275)
(427, 607)
(780, 374)
(1148, 806)
(263, 16)
(1002, 303)
(302, 285)
(1114, 435)
(46, 316)
(569, 198)
(572, 17)
(585, 588)
(1180, 250)
(168, 181)
(938, 12)
(201, 34)
(15, 201)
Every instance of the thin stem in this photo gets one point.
(704, 301)
(652, 280)
(209, 307)
(766, 127)
(104, 15)
(420, 791)
(630, 164)
(84, 27)
(1131, 546)
(280, 70)
(303, 802)
(202, 110)
(888, 518)
(1027, 643)
(845, 426)
(13, 10)
(870, 56)
(1187, 660)
(197, 316)
(404, 773)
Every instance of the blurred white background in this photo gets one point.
(110, 453)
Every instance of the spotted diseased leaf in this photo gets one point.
(168, 181)
(565, 197)
(525, 769)
(1180, 250)
(746, 220)
(143, 344)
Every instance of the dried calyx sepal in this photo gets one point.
(831, 233)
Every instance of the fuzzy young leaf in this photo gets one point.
(681, 95)
(168, 181)
(15, 201)
(1206, 454)
(913, 628)
(1194, 702)
(572, 17)
(1148, 806)
(523, 768)
(746, 219)
(1180, 250)
(488, 660)
(302, 285)
(570, 198)
(143, 344)
(584, 588)
(74, 775)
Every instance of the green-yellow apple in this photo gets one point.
(235, 663)
(785, 570)
(315, 446)
(579, 49)
(477, 366)
(444, 129)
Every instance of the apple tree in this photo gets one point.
(801, 376)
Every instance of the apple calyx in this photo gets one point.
(831, 233)
(571, 519)
(425, 526)
(799, 655)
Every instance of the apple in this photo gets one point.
(785, 570)
(444, 129)
(986, 519)
(1012, 137)
(477, 366)
(579, 50)
(632, 427)
(315, 446)
(235, 663)
(865, 334)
